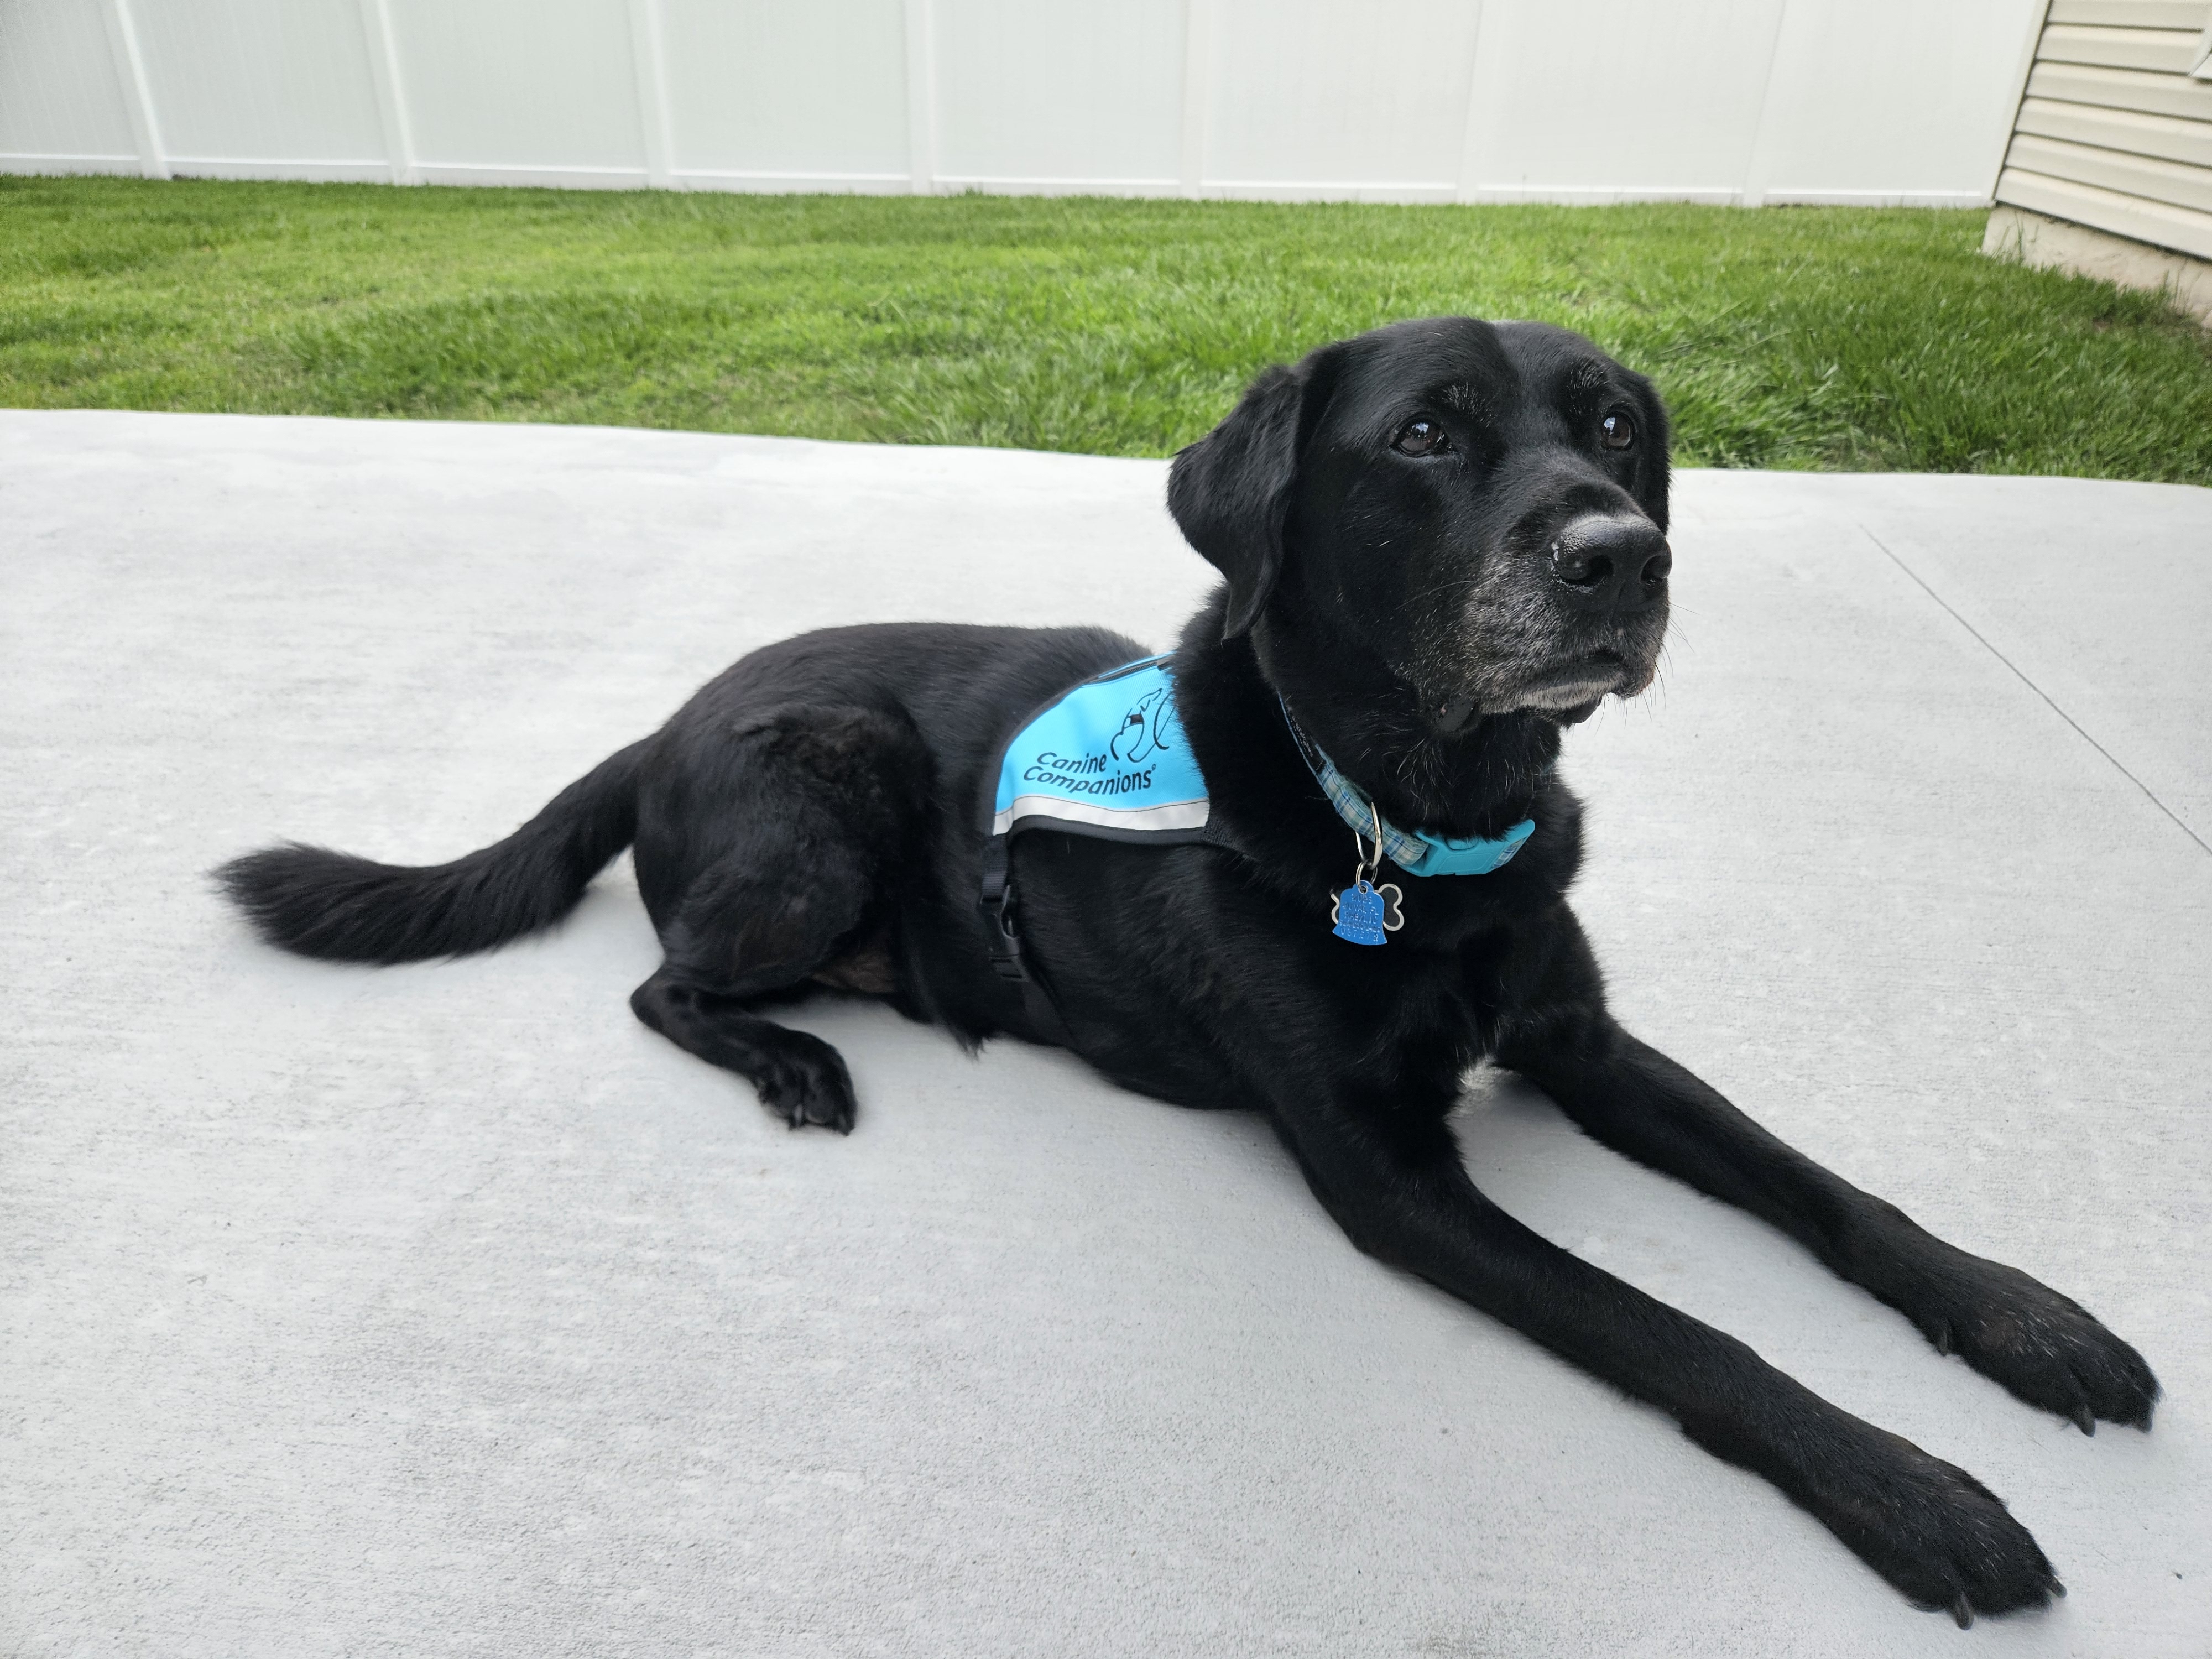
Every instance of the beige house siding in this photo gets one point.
(2115, 131)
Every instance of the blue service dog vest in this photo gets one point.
(1105, 758)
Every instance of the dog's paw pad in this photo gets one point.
(805, 1084)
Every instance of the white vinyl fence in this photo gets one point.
(1574, 101)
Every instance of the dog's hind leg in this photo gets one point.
(798, 1077)
(810, 814)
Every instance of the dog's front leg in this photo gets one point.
(2046, 1349)
(1399, 1189)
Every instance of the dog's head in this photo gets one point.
(1480, 508)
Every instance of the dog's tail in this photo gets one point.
(321, 904)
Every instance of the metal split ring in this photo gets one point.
(1368, 866)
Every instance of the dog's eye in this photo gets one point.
(1420, 437)
(1617, 430)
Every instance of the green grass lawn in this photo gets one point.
(1800, 338)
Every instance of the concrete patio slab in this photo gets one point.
(444, 1309)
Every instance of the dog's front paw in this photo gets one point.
(2048, 1349)
(1933, 1530)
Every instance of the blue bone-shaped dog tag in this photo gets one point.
(1367, 915)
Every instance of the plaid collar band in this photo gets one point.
(1416, 852)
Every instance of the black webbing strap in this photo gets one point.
(1002, 922)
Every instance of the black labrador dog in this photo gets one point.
(1444, 542)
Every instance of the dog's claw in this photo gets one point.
(2084, 1420)
(1962, 1611)
(2058, 1589)
(1943, 1337)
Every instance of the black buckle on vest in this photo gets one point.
(996, 901)
(997, 904)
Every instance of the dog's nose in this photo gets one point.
(1611, 561)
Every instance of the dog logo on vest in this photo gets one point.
(1142, 727)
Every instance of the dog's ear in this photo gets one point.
(1651, 467)
(1231, 491)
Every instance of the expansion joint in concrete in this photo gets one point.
(2050, 701)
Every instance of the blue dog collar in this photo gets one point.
(1416, 852)
(1108, 758)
